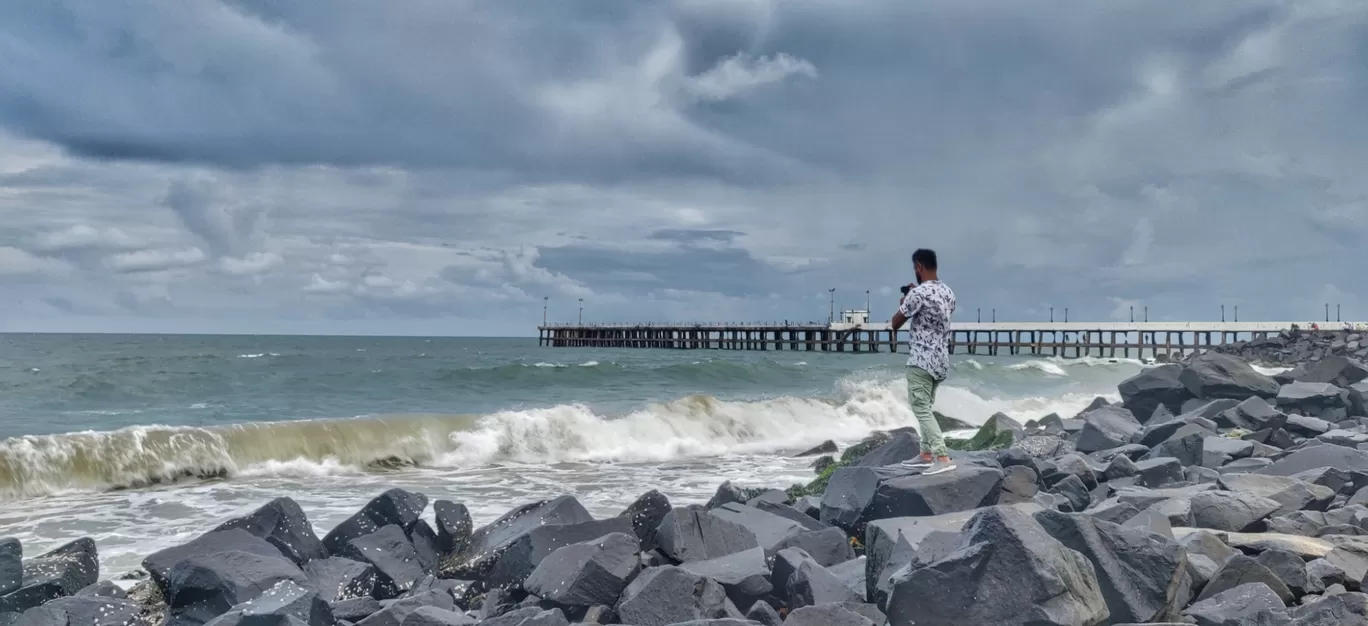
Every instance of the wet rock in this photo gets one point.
(727, 493)
(394, 507)
(968, 487)
(1105, 428)
(1044, 446)
(355, 609)
(81, 611)
(1212, 375)
(396, 562)
(1151, 520)
(528, 616)
(1153, 388)
(800, 581)
(826, 447)
(1323, 574)
(11, 565)
(1019, 484)
(395, 612)
(337, 578)
(669, 595)
(103, 589)
(1120, 467)
(811, 506)
(1230, 510)
(744, 575)
(55, 574)
(1143, 577)
(1336, 370)
(1160, 472)
(454, 526)
(1304, 426)
(1305, 547)
(1290, 493)
(1076, 465)
(1311, 398)
(433, 616)
(275, 605)
(203, 587)
(1344, 609)
(852, 574)
(850, 494)
(828, 547)
(1291, 570)
(691, 534)
(892, 543)
(1252, 414)
(1240, 605)
(1338, 458)
(764, 614)
(646, 513)
(1072, 490)
(769, 529)
(589, 573)
(424, 541)
(772, 497)
(1217, 451)
(1004, 569)
(282, 524)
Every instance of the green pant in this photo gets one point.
(921, 393)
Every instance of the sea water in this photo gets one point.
(143, 442)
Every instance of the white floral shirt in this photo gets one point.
(929, 308)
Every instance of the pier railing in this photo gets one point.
(1062, 339)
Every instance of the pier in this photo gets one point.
(1159, 340)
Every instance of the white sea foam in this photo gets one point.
(1270, 371)
(1047, 367)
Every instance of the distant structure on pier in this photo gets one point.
(853, 332)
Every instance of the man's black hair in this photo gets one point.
(927, 258)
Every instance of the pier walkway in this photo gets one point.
(1160, 340)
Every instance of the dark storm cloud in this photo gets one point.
(355, 159)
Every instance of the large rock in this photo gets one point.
(1290, 493)
(395, 612)
(1291, 570)
(1212, 375)
(969, 487)
(893, 543)
(827, 615)
(338, 579)
(203, 587)
(646, 513)
(800, 581)
(1143, 577)
(505, 552)
(1230, 510)
(1186, 445)
(1317, 457)
(424, 541)
(744, 575)
(396, 562)
(1217, 451)
(433, 616)
(1233, 607)
(81, 611)
(11, 565)
(159, 564)
(850, 494)
(454, 526)
(1152, 388)
(661, 596)
(1254, 414)
(393, 507)
(769, 529)
(1106, 428)
(59, 573)
(275, 605)
(1311, 398)
(903, 446)
(828, 547)
(588, 573)
(1335, 370)
(1005, 570)
(282, 524)
(693, 534)
(1019, 484)
(1240, 570)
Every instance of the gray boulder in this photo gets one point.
(355, 609)
(588, 573)
(393, 507)
(11, 565)
(1253, 414)
(396, 611)
(282, 524)
(81, 611)
(454, 527)
(1004, 570)
(338, 579)
(1240, 570)
(1072, 464)
(1073, 492)
(1019, 484)
(1186, 446)
(275, 605)
(850, 494)
(396, 562)
(1212, 375)
(893, 543)
(159, 564)
(433, 616)
(1153, 388)
(1106, 428)
(1232, 511)
(1290, 493)
(1336, 370)
(1311, 398)
(669, 595)
(903, 446)
(103, 589)
(827, 615)
(1159, 472)
(769, 529)
(1218, 451)
(968, 487)
(762, 613)
(1290, 568)
(744, 575)
(828, 547)
(693, 534)
(203, 587)
(800, 581)
(1318, 457)
(58, 573)
(646, 513)
(1241, 605)
(1143, 577)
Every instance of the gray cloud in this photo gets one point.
(359, 164)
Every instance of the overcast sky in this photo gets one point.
(439, 167)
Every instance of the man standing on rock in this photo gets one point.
(929, 305)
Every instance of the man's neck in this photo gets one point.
(926, 278)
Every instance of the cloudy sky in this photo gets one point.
(441, 166)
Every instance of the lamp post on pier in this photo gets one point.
(831, 317)
(546, 301)
(581, 311)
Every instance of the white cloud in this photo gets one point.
(254, 263)
(743, 72)
(154, 260)
(17, 262)
(82, 236)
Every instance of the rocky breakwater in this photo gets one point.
(1211, 495)
(1299, 347)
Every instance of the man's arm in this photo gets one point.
(907, 307)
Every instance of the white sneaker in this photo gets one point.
(938, 467)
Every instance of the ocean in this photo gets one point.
(143, 442)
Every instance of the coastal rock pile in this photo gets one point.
(1296, 347)
(1211, 495)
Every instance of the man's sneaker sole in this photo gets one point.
(916, 464)
(938, 470)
